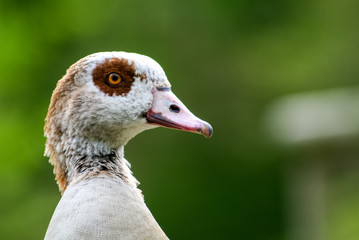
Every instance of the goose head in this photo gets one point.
(103, 101)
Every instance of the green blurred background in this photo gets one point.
(228, 61)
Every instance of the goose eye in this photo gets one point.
(113, 79)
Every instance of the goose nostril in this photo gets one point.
(174, 108)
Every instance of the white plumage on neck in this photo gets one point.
(102, 208)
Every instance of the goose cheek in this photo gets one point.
(168, 111)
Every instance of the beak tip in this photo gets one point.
(207, 130)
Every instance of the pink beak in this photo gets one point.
(168, 111)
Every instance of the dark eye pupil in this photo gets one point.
(114, 77)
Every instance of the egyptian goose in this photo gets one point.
(103, 101)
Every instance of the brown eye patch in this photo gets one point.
(115, 76)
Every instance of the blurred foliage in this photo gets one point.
(227, 61)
